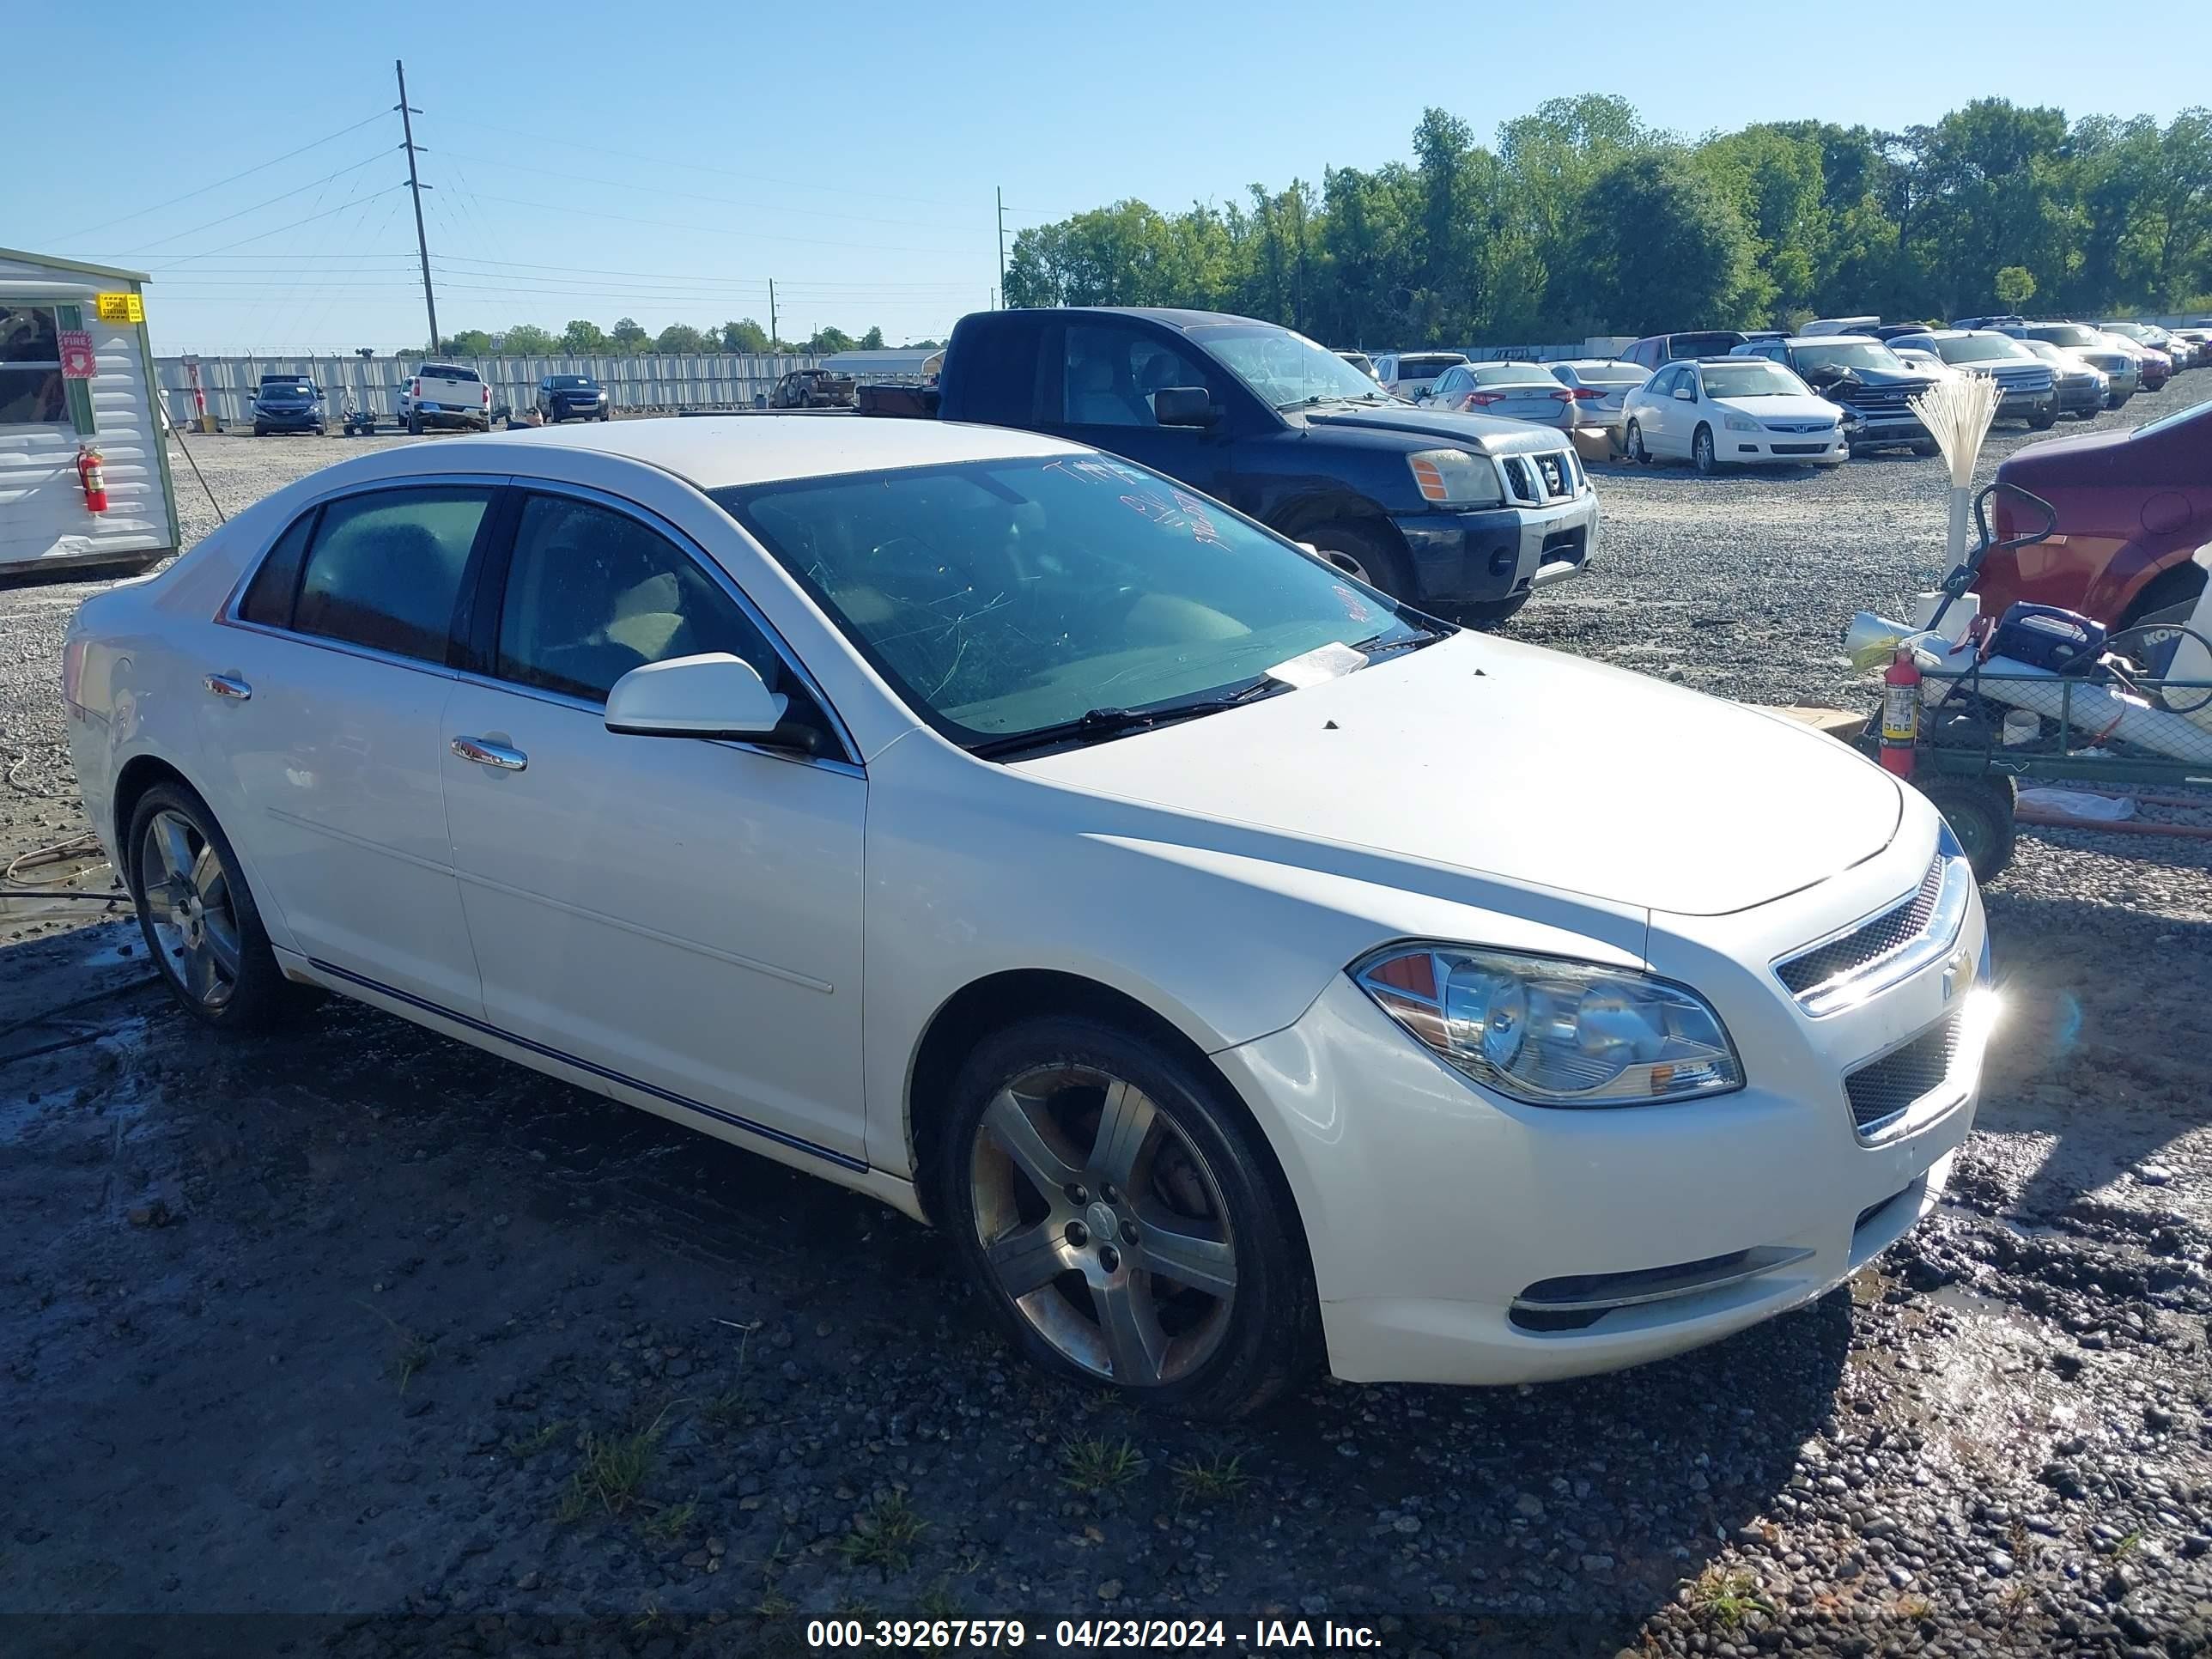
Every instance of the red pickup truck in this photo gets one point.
(2133, 508)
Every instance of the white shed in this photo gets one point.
(57, 399)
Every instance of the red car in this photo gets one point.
(2133, 508)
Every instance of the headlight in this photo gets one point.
(1453, 478)
(1741, 424)
(1553, 1032)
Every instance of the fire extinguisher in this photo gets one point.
(1901, 712)
(92, 473)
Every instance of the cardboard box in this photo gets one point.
(1592, 443)
(1842, 724)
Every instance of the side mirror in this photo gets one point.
(1684, 394)
(1184, 406)
(714, 696)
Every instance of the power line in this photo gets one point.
(311, 184)
(692, 194)
(259, 167)
(259, 235)
(696, 228)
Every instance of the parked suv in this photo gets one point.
(445, 395)
(1657, 351)
(1410, 374)
(2030, 390)
(813, 388)
(1872, 385)
(288, 403)
(572, 398)
(2121, 367)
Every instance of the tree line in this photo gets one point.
(629, 338)
(1583, 220)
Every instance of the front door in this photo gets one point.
(1111, 369)
(681, 915)
(325, 704)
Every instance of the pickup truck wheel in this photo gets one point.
(1634, 445)
(414, 425)
(1927, 447)
(1701, 452)
(1488, 613)
(2043, 420)
(1358, 551)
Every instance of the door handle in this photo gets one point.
(229, 685)
(490, 754)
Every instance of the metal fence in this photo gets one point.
(713, 380)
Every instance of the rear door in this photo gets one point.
(325, 702)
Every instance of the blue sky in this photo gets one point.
(850, 151)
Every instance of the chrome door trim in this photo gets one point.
(781, 1137)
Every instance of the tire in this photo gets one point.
(1632, 445)
(1486, 614)
(2043, 420)
(2088, 414)
(1023, 1160)
(1363, 553)
(1979, 811)
(1702, 454)
(1927, 447)
(201, 924)
(259, 430)
(414, 424)
(606, 414)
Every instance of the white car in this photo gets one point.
(1409, 374)
(1718, 412)
(1004, 831)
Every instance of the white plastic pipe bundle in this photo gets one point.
(1957, 413)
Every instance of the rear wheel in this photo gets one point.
(1701, 452)
(414, 424)
(201, 923)
(1359, 551)
(1120, 1217)
(1979, 811)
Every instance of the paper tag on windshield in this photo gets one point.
(1331, 661)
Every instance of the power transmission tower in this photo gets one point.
(415, 185)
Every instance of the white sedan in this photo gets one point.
(1717, 412)
(1004, 831)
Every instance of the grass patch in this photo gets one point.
(674, 1520)
(1208, 1479)
(884, 1534)
(538, 1440)
(729, 1408)
(1725, 1599)
(1096, 1465)
(2128, 1545)
(613, 1473)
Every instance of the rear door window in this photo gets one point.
(385, 569)
(268, 598)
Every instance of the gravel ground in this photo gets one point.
(367, 1327)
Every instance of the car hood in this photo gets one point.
(1788, 407)
(1487, 433)
(1511, 762)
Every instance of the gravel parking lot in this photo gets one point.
(365, 1328)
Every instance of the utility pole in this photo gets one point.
(1000, 191)
(771, 315)
(415, 185)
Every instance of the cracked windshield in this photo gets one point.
(1007, 596)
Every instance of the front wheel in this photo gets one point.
(1925, 449)
(1359, 551)
(1123, 1219)
(1701, 452)
(1979, 810)
(201, 926)
(2043, 420)
(1634, 445)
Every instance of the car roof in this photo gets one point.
(1823, 340)
(715, 451)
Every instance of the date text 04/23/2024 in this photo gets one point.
(1094, 1635)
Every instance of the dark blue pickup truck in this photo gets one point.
(1463, 514)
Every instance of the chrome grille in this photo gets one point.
(1554, 468)
(1885, 1087)
(1869, 942)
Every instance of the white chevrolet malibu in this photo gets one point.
(1243, 968)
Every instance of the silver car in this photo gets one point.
(1518, 391)
(1600, 384)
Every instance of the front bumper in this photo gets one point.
(289, 420)
(564, 409)
(2027, 405)
(1495, 552)
(1884, 431)
(1780, 448)
(1443, 1220)
(2081, 394)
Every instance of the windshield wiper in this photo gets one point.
(1378, 645)
(1095, 725)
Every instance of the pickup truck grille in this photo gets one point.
(1881, 399)
(1539, 480)
(2026, 377)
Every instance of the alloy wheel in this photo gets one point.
(190, 908)
(1701, 450)
(1348, 564)
(1103, 1223)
